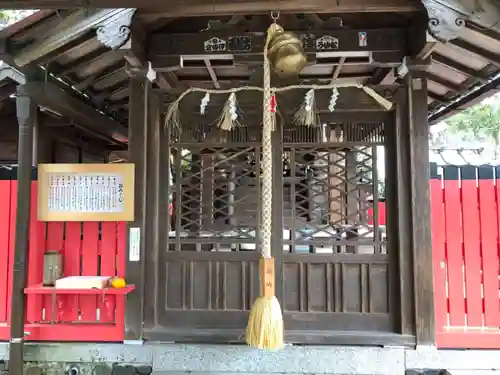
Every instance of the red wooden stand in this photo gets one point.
(87, 249)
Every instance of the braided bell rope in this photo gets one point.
(267, 157)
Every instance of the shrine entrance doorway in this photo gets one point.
(333, 266)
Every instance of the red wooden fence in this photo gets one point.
(88, 249)
(465, 204)
(465, 229)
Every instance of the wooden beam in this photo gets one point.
(166, 50)
(212, 74)
(428, 48)
(338, 69)
(383, 76)
(90, 119)
(220, 7)
(134, 50)
(438, 98)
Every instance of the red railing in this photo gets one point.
(87, 249)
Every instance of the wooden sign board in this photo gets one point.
(86, 192)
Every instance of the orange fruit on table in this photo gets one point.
(118, 282)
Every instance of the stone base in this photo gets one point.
(192, 359)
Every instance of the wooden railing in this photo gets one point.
(87, 249)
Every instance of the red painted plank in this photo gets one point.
(472, 252)
(55, 242)
(12, 235)
(121, 248)
(90, 252)
(4, 248)
(35, 258)
(72, 257)
(108, 248)
(4, 331)
(489, 247)
(469, 340)
(108, 268)
(382, 213)
(454, 250)
(438, 252)
(75, 332)
(121, 261)
(55, 236)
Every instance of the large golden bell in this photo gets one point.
(285, 52)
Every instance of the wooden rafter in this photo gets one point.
(479, 75)
(444, 82)
(468, 47)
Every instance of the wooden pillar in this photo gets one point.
(152, 210)
(398, 203)
(416, 87)
(413, 227)
(164, 218)
(137, 147)
(26, 115)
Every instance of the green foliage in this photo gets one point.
(8, 17)
(480, 122)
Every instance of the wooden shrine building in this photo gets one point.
(100, 79)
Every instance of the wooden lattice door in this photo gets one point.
(335, 262)
(208, 269)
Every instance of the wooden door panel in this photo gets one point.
(207, 288)
(339, 292)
